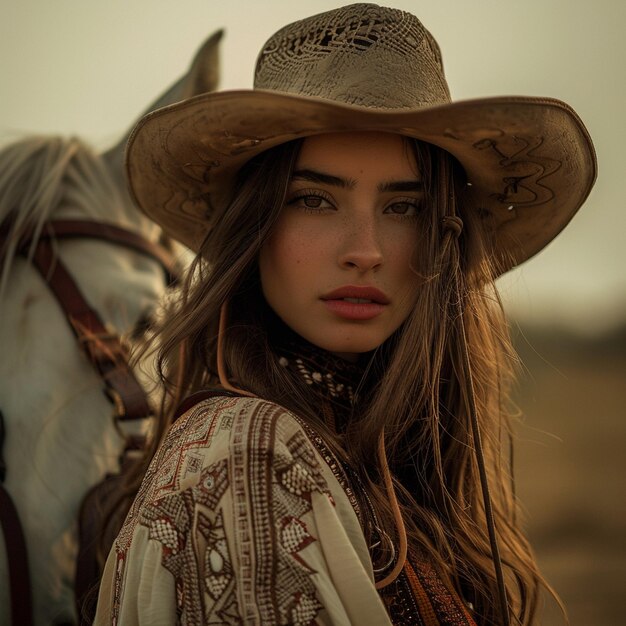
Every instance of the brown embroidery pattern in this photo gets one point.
(410, 602)
(424, 581)
(187, 439)
(275, 477)
(187, 523)
(335, 466)
(191, 532)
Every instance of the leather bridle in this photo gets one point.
(102, 346)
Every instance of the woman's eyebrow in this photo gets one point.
(402, 185)
(314, 176)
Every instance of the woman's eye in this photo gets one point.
(312, 202)
(406, 208)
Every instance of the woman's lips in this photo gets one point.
(355, 310)
(356, 302)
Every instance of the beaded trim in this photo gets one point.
(332, 377)
(326, 381)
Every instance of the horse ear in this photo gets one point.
(204, 71)
(202, 76)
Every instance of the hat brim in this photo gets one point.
(530, 161)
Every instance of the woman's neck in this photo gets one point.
(336, 381)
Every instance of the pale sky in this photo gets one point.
(90, 68)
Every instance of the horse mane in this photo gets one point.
(40, 175)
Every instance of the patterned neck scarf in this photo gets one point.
(336, 382)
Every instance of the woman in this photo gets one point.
(349, 222)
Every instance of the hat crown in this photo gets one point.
(361, 54)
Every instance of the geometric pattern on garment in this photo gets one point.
(164, 531)
(180, 520)
(218, 571)
(279, 583)
(294, 535)
(448, 606)
(298, 478)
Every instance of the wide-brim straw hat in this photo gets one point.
(530, 161)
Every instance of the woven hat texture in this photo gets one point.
(345, 56)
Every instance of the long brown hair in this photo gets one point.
(417, 387)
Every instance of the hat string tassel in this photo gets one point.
(470, 400)
(453, 225)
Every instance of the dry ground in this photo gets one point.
(570, 466)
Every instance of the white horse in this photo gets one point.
(60, 436)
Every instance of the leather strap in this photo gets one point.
(101, 345)
(17, 556)
(86, 229)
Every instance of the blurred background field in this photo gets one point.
(571, 467)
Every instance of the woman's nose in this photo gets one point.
(361, 247)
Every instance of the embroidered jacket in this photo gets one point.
(244, 518)
(239, 521)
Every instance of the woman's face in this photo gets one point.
(337, 268)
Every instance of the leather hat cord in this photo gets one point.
(453, 226)
(478, 450)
